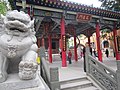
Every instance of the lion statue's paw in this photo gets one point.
(27, 70)
(3, 76)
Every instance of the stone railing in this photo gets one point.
(105, 77)
(50, 75)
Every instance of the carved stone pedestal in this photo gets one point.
(14, 83)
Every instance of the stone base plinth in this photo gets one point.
(14, 83)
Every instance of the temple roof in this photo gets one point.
(71, 6)
(52, 10)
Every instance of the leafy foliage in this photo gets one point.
(3, 8)
(106, 33)
(111, 4)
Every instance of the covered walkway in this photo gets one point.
(73, 76)
(75, 70)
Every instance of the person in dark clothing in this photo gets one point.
(94, 53)
(61, 55)
(69, 56)
(90, 50)
(84, 59)
(107, 53)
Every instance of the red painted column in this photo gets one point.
(64, 63)
(115, 43)
(50, 48)
(75, 49)
(98, 42)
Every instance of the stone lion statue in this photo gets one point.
(18, 49)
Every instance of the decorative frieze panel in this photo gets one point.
(103, 79)
(72, 17)
(69, 17)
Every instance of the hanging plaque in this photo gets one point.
(80, 17)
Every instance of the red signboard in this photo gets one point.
(83, 17)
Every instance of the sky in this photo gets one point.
(95, 3)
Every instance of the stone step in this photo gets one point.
(78, 84)
(83, 83)
(88, 88)
(73, 80)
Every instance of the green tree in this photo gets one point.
(3, 8)
(111, 4)
(106, 33)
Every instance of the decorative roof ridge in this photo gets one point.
(75, 7)
(83, 5)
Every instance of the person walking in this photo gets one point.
(84, 59)
(69, 57)
(107, 53)
(94, 53)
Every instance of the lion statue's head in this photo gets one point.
(18, 23)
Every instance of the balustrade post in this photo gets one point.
(54, 78)
(87, 53)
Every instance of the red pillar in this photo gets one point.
(98, 42)
(75, 49)
(115, 43)
(50, 48)
(64, 63)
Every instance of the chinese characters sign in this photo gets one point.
(80, 17)
(64, 42)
